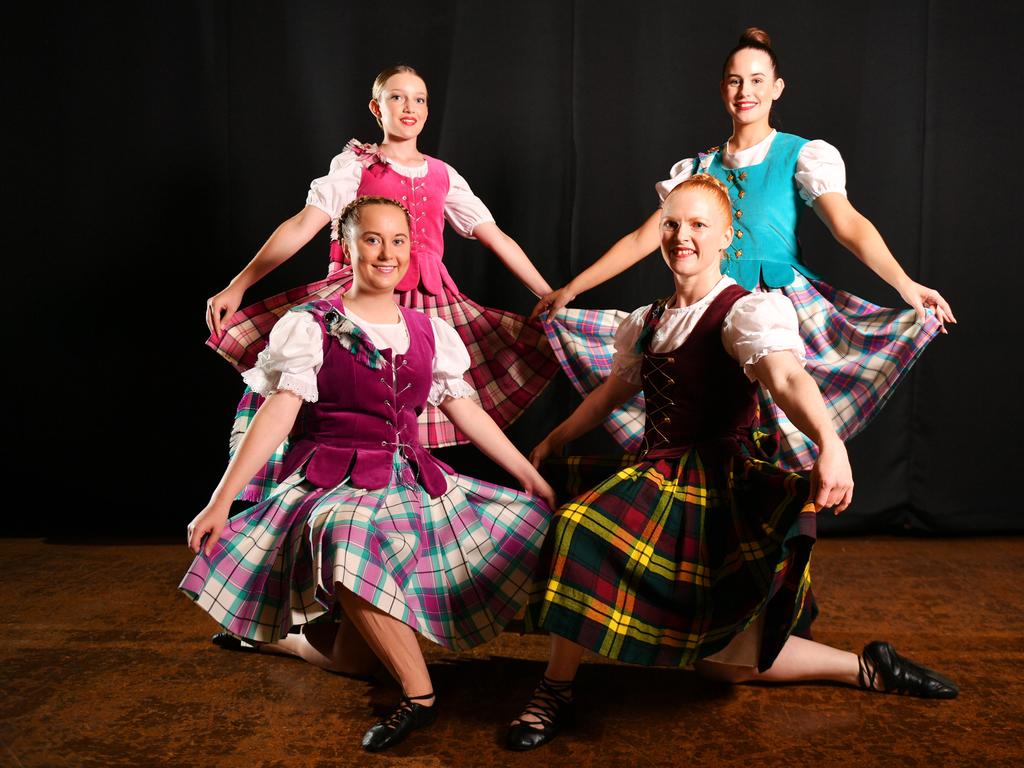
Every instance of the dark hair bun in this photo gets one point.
(756, 38)
(755, 35)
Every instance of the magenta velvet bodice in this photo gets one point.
(367, 407)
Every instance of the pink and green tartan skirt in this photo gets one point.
(856, 351)
(455, 568)
(511, 361)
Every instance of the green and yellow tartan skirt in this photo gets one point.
(668, 560)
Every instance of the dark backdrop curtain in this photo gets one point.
(152, 147)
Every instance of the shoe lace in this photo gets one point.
(548, 699)
(402, 710)
(866, 674)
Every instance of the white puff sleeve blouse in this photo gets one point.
(331, 193)
(294, 355)
(757, 325)
(463, 209)
(819, 168)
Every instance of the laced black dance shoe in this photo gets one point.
(403, 720)
(554, 709)
(230, 642)
(901, 675)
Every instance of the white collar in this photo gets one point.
(751, 155)
(711, 295)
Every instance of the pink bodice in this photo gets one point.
(424, 198)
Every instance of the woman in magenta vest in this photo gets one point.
(700, 552)
(365, 521)
(857, 352)
(512, 362)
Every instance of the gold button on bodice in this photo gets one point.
(739, 252)
(743, 176)
(742, 194)
(739, 214)
(731, 177)
(739, 233)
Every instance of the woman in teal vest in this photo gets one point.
(856, 352)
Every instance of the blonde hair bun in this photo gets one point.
(712, 186)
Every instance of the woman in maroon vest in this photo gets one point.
(700, 553)
(366, 523)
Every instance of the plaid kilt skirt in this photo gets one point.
(666, 561)
(856, 352)
(511, 361)
(455, 568)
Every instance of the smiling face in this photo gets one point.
(749, 86)
(695, 231)
(401, 108)
(378, 248)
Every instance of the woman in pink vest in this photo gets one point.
(366, 523)
(511, 359)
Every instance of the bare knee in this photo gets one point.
(725, 673)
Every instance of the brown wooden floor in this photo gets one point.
(104, 663)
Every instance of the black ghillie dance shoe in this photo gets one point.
(554, 709)
(403, 720)
(901, 675)
(230, 642)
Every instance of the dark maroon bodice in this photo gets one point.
(364, 414)
(697, 394)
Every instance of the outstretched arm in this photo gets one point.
(512, 256)
(795, 392)
(859, 235)
(620, 257)
(286, 240)
(612, 393)
(488, 437)
(269, 427)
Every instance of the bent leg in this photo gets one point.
(396, 646)
(565, 659)
(393, 642)
(333, 647)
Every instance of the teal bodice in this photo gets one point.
(766, 209)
